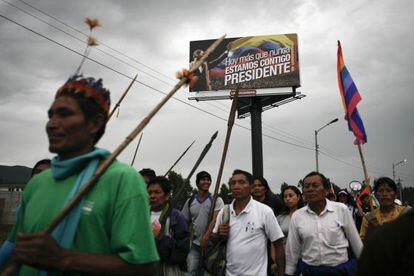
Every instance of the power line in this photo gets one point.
(286, 134)
(106, 45)
(142, 83)
(97, 48)
(84, 42)
(177, 99)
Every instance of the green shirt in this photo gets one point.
(115, 214)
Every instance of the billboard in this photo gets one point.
(253, 62)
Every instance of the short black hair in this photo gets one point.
(325, 181)
(201, 175)
(385, 180)
(246, 174)
(264, 184)
(163, 182)
(148, 172)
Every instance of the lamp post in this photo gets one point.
(316, 141)
(393, 174)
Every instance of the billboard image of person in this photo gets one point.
(252, 62)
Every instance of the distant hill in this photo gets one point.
(14, 174)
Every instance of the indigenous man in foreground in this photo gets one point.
(170, 229)
(109, 232)
(251, 225)
(321, 233)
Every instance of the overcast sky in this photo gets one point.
(376, 39)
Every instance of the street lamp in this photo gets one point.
(316, 141)
(393, 174)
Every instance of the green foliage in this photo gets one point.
(225, 193)
(176, 181)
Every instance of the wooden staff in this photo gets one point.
(106, 163)
(122, 97)
(179, 158)
(364, 167)
(230, 124)
(136, 150)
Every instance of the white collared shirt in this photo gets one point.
(247, 241)
(321, 239)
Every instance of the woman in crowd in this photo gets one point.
(292, 199)
(385, 191)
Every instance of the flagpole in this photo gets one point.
(364, 167)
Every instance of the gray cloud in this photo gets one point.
(377, 50)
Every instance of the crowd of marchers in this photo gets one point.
(127, 225)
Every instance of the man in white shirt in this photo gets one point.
(251, 225)
(321, 233)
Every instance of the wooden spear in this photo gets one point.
(179, 158)
(201, 157)
(136, 149)
(122, 97)
(106, 163)
(230, 124)
(177, 195)
(197, 163)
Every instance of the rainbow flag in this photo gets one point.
(350, 99)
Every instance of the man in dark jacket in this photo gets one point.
(170, 229)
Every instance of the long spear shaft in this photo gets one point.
(106, 163)
(202, 155)
(122, 97)
(197, 163)
(230, 124)
(179, 158)
(136, 149)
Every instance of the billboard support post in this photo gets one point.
(256, 131)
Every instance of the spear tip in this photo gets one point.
(214, 135)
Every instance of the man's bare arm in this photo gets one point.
(280, 256)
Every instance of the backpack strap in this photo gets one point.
(191, 201)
